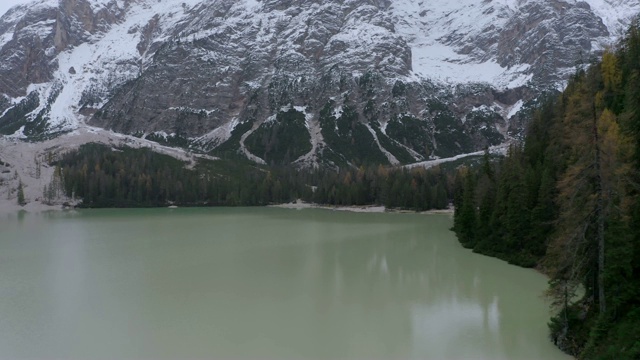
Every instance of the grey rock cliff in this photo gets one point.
(412, 80)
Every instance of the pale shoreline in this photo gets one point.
(10, 207)
(300, 205)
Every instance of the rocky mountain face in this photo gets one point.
(305, 82)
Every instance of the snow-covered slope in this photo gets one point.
(615, 14)
(442, 36)
(207, 72)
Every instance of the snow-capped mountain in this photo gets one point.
(307, 81)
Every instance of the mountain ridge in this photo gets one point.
(421, 81)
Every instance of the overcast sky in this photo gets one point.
(6, 4)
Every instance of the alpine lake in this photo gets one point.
(259, 283)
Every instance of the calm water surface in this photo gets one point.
(259, 283)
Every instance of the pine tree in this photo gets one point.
(466, 219)
(543, 214)
(597, 171)
(21, 200)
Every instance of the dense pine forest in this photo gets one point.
(104, 177)
(566, 202)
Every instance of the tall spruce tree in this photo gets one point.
(21, 200)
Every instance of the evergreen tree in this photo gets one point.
(21, 200)
(466, 222)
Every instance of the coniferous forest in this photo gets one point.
(104, 177)
(566, 202)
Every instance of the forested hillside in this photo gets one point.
(567, 203)
(100, 176)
